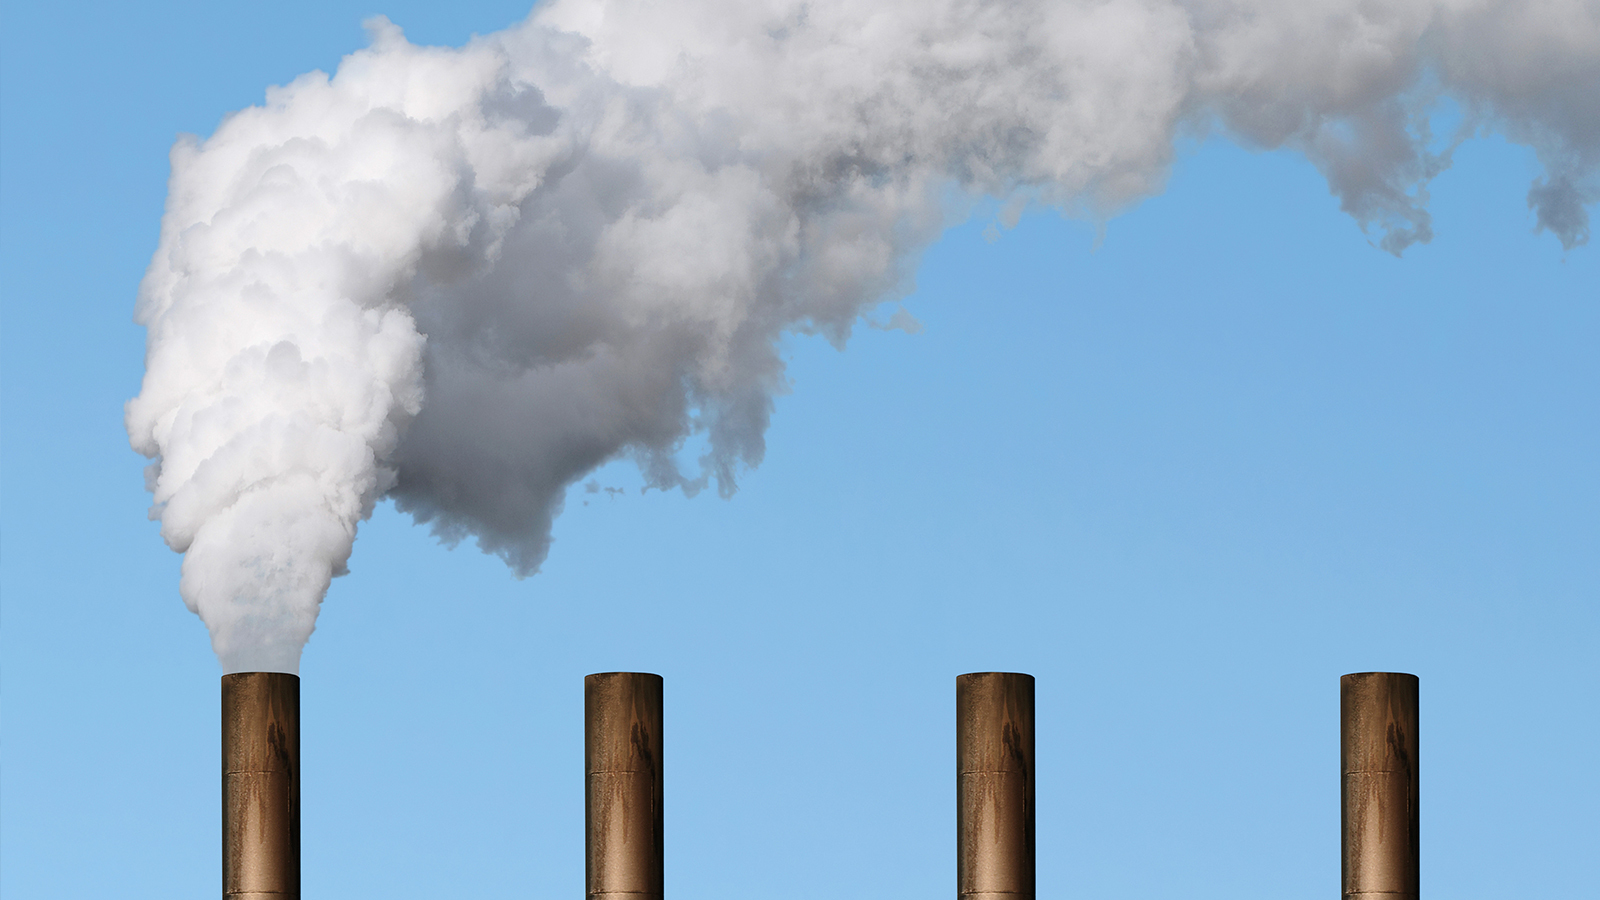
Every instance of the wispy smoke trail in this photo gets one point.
(463, 278)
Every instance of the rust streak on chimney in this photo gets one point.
(1378, 775)
(261, 786)
(622, 771)
(994, 786)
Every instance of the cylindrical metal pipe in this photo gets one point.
(1378, 774)
(994, 786)
(261, 786)
(622, 771)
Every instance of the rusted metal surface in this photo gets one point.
(994, 786)
(1378, 774)
(622, 769)
(261, 786)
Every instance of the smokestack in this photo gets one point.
(994, 786)
(1378, 766)
(622, 768)
(261, 786)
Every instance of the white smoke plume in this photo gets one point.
(464, 278)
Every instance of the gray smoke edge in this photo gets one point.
(465, 278)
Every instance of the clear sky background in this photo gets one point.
(1187, 478)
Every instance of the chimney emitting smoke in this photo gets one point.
(260, 786)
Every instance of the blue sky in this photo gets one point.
(1186, 478)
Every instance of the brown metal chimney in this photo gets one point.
(994, 786)
(261, 786)
(1378, 766)
(622, 771)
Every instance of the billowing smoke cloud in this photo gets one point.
(464, 278)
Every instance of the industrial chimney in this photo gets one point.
(261, 786)
(622, 771)
(994, 786)
(1378, 774)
